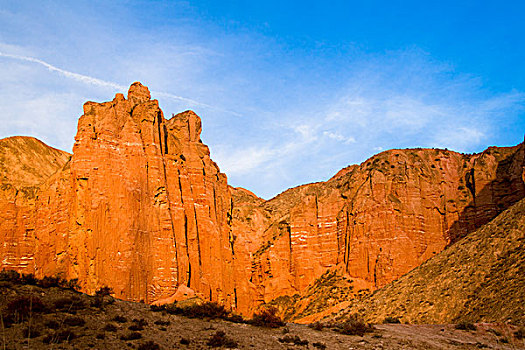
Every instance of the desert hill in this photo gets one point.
(481, 278)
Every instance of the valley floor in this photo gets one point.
(70, 321)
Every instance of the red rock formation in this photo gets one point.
(379, 220)
(142, 208)
(25, 163)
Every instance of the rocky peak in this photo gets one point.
(186, 125)
(138, 94)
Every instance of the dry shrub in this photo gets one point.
(391, 319)
(22, 307)
(319, 345)
(119, 319)
(293, 339)
(466, 326)
(208, 309)
(318, 326)
(74, 321)
(149, 345)
(59, 336)
(355, 325)
(267, 318)
(220, 339)
(131, 336)
(110, 328)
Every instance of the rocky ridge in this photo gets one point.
(141, 207)
(481, 278)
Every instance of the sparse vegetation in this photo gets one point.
(220, 339)
(205, 310)
(110, 328)
(319, 345)
(293, 339)
(149, 345)
(74, 321)
(520, 333)
(391, 319)
(355, 325)
(267, 318)
(466, 326)
(119, 319)
(22, 307)
(318, 326)
(131, 336)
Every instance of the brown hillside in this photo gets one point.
(26, 161)
(481, 278)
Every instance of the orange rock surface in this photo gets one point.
(142, 208)
(377, 221)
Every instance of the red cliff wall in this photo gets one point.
(142, 208)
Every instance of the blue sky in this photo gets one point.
(289, 92)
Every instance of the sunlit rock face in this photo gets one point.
(376, 221)
(142, 208)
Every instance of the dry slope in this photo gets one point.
(481, 278)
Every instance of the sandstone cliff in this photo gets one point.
(142, 208)
(479, 279)
(25, 163)
(377, 221)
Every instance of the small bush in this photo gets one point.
(466, 326)
(157, 308)
(267, 318)
(29, 278)
(149, 345)
(100, 336)
(52, 324)
(208, 309)
(293, 339)
(33, 332)
(235, 318)
(391, 319)
(104, 291)
(59, 336)
(10, 276)
(23, 306)
(74, 321)
(119, 319)
(355, 326)
(503, 340)
(131, 336)
(520, 333)
(142, 322)
(162, 323)
(69, 304)
(184, 341)
(110, 328)
(220, 339)
(50, 281)
(136, 327)
(319, 345)
(318, 326)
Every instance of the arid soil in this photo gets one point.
(78, 323)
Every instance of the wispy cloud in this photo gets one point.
(107, 84)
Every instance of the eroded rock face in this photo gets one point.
(377, 221)
(142, 208)
(25, 163)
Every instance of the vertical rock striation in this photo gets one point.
(142, 208)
